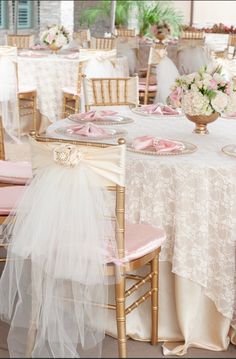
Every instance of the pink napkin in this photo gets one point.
(159, 109)
(94, 115)
(74, 55)
(160, 145)
(39, 47)
(88, 130)
(30, 54)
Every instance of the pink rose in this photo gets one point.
(228, 89)
(213, 84)
(175, 97)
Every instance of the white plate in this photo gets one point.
(188, 148)
(107, 120)
(229, 150)
(138, 111)
(113, 133)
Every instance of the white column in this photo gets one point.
(67, 14)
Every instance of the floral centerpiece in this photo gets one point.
(55, 37)
(161, 30)
(203, 96)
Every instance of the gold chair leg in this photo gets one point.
(34, 112)
(77, 102)
(120, 316)
(154, 300)
(64, 107)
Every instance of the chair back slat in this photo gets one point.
(110, 91)
(103, 43)
(125, 32)
(20, 41)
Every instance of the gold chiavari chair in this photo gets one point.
(83, 37)
(138, 245)
(125, 32)
(10, 190)
(231, 46)
(27, 98)
(103, 43)
(111, 91)
(20, 41)
(148, 85)
(72, 96)
(27, 95)
(196, 34)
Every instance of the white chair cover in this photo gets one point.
(54, 280)
(98, 63)
(166, 72)
(8, 92)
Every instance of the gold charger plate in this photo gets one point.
(113, 133)
(188, 148)
(137, 110)
(108, 120)
(229, 150)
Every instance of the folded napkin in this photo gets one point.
(94, 115)
(89, 130)
(160, 145)
(39, 47)
(30, 54)
(159, 109)
(74, 55)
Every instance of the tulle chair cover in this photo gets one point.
(98, 63)
(55, 278)
(166, 72)
(8, 91)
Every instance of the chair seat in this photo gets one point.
(26, 89)
(15, 172)
(70, 91)
(9, 196)
(150, 87)
(141, 239)
(152, 80)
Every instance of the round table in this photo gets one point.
(193, 198)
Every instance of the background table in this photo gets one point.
(50, 73)
(193, 198)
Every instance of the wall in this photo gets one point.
(207, 13)
(184, 7)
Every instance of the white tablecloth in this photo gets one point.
(193, 198)
(49, 74)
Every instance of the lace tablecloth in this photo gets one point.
(50, 73)
(192, 197)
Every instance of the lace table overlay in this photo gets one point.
(192, 197)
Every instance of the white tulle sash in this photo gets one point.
(8, 91)
(53, 288)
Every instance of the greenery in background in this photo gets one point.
(148, 13)
(158, 13)
(103, 7)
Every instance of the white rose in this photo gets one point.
(220, 101)
(231, 106)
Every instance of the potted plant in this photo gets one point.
(157, 18)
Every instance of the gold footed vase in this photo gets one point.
(54, 48)
(202, 121)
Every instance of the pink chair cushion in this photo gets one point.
(150, 87)
(141, 239)
(152, 80)
(25, 89)
(70, 90)
(15, 172)
(9, 196)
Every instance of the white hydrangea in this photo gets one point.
(231, 106)
(220, 101)
(60, 40)
(194, 103)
